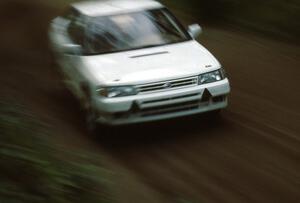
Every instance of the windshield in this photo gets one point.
(107, 34)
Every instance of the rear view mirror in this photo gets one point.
(72, 49)
(195, 30)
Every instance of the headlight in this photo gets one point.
(212, 77)
(112, 92)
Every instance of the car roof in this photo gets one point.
(110, 7)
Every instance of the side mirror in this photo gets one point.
(72, 49)
(195, 30)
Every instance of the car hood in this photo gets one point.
(150, 65)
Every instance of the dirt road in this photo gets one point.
(251, 154)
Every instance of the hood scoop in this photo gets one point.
(150, 54)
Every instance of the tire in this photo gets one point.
(90, 113)
(95, 129)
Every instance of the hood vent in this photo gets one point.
(151, 54)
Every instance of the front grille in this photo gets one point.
(168, 85)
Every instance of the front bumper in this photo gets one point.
(163, 105)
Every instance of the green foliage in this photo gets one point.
(30, 170)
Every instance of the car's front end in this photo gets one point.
(162, 100)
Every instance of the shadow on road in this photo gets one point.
(156, 133)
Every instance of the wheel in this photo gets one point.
(97, 130)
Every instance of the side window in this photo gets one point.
(76, 32)
(75, 27)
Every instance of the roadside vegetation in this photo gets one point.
(274, 18)
(34, 169)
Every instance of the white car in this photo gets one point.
(131, 61)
